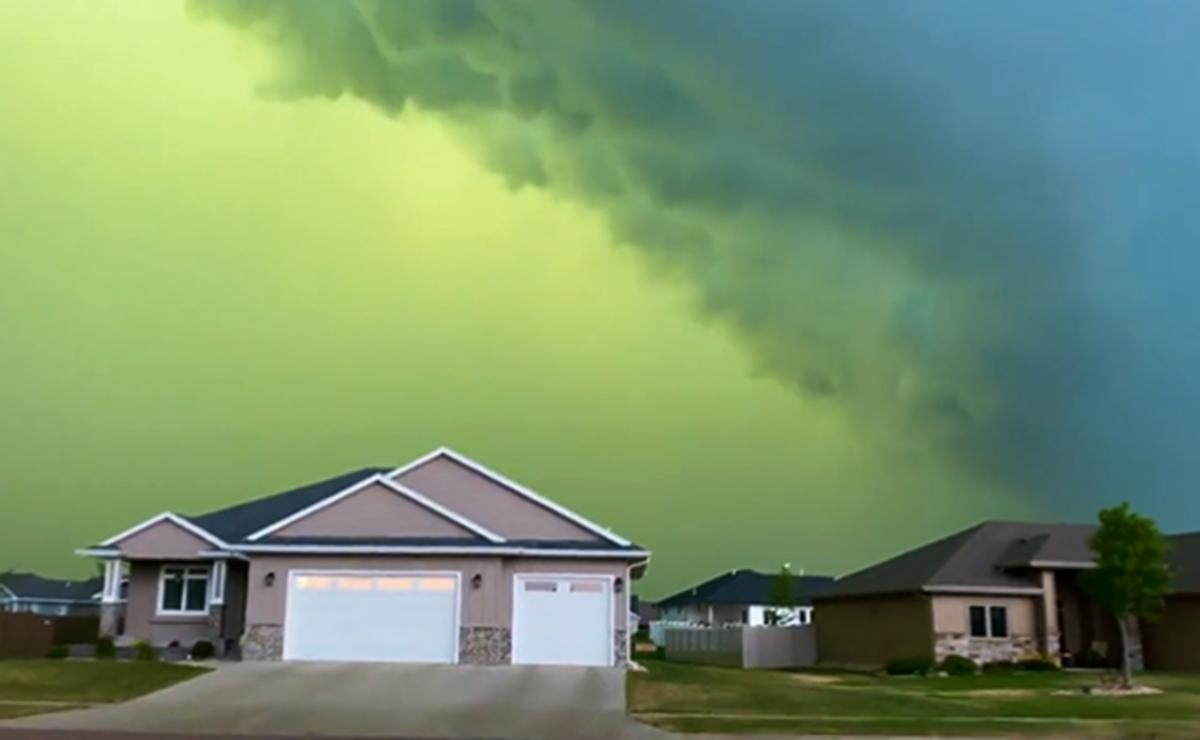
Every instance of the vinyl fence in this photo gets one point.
(741, 646)
(29, 635)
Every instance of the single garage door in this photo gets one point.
(562, 620)
(372, 617)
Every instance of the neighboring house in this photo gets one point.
(28, 592)
(998, 591)
(741, 596)
(647, 611)
(438, 561)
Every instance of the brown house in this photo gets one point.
(438, 561)
(999, 591)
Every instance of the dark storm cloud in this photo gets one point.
(886, 202)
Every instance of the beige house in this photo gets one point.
(999, 591)
(438, 561)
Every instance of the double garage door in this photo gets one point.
(415, 618)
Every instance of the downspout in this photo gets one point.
(629, 607)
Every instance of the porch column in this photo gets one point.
(110, 598)
(216, 605)
(1051, 642)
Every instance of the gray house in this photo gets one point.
(29, 592)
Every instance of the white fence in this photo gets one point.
(738, 646)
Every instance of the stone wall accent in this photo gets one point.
(216, 628)
(485, 645)
(110, 619)
(1053, 647)
(620, 648)
(985, 650)
(263, 642)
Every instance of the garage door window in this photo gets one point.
(437, 584)
(183, 590)
(547, 587)
(587, 587)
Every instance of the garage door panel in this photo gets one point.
(562, 620)
(372, 618)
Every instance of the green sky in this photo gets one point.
(206, 297)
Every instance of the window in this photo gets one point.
(998, 621)
(183, 590)
(988, 621)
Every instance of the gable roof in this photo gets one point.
(516, 488)
(1000, 556)
(746, 587)
(249, 526)
(30, 586)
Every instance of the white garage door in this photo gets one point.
(562, 620)
(372, 617)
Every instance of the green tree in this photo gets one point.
(782, 597)
(1132, 575)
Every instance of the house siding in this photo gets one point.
(375, 511)
(1172, 643)
(870, 631)
(162, 541)
(952, 633)
(494, 506)
(486, 617)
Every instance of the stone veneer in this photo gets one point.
(620, 648)
(263, 642)
(216, 631)
(485, 645)
(985, 650)
(110, 619)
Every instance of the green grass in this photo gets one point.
(722, 700)
(85, 681)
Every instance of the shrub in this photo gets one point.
(915, 666)
(144, 651)
(203, 650)
(105, 648)
(959, 665)
(1000, 666)
(1037, 665)
(58, 652)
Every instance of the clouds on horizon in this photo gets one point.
(951, 222)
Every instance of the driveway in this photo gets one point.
(373, 700)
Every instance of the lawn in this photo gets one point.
(723, 700)
(58, 684)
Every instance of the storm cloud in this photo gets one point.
(944, 219)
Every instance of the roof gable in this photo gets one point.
(487, 497)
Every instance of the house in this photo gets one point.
(29, 592)
(741, 596)
(997, 591)
(647, 611)
(441, 560)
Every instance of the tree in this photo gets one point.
(782, 597)
(1132, 575)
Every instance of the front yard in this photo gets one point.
(40, 686)
(689, 698)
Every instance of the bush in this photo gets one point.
(58, 652)
(959, 665)
(1000, 666)
(202, 650)
(916, 666)
(144, 651)
(1037, 665)
(105, 648)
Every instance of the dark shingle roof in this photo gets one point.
(1000, 555)
(33, 586)
(745, 587)
(235, 523)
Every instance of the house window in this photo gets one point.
(183, 590)
(988, 621)
(998, 621)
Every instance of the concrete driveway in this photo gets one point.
(373, 700)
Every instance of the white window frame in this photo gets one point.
(190, 572)
(987, 621)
